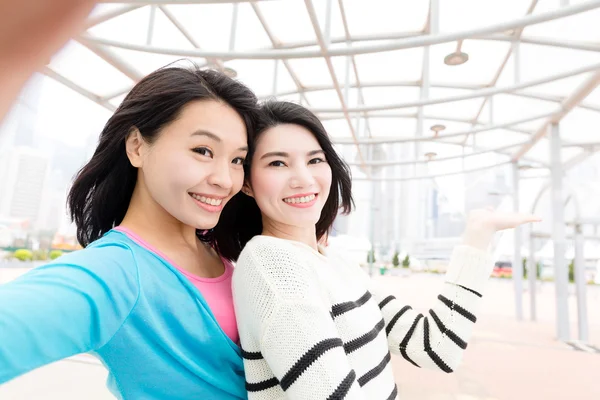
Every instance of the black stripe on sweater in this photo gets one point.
(307, 359)
(374, 373)
(360, 341)
(395, 319)
(394, 393)
(247, 355)
(470, 290)
(342, 390)
(455, 307)
(445, 331)
(339, 309)
(385, 301)
(432, 354)
(406, 339)
(264, 385)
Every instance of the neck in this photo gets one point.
(154, 224)
(306, 235)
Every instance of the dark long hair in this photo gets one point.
(100, 195)
(245, 221)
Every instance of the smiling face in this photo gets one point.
(195, 165)
(290, 178)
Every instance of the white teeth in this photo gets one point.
(207, 200)
(296, 200)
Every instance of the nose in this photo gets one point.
(302, 178)
(221, 175)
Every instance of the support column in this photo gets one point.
(582, 322)
(517, 267)
(532, 275)
(559, 236)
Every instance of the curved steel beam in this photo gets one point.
(411, 162)
(466, 171)
(460, 133)
(568, 104)
(475, 94)
(73, 86)
(407, 43)
(397, 84)
(178, 2)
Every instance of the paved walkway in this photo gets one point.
(506, 359)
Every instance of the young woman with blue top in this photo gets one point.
(148, 295)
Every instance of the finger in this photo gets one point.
(508, 221)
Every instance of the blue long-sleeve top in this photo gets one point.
(138, 314)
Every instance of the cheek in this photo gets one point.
(237, 178)
(173, 172)
(324, 178)
(267, 185)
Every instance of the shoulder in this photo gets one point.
(284, 266)
(111, 258)
(270, 250)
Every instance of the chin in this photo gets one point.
(205, 223)
(304, 223)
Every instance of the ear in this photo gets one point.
(134, 147)
(247, 189)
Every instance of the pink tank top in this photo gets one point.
(216, 291)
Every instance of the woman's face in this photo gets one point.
(195, 165)
(290, 178)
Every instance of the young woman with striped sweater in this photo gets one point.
(311, 325)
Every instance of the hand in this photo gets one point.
(31, 31)
(482, 225)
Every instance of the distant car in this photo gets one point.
(502, 269)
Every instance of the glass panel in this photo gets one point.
(579, 27)
(131, 27)
(74, 121)
(580, 126)
(463, 15)
(288, 20)
(385, 16)
(208, 24)
(394, 66)
(97, 77)
(250, 33)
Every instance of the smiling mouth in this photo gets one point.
(211, 201)
(300, 200)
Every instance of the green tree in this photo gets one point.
(371, 256)
(572, 271)
(40, 255)
(396, 260)
(406, 262)
(54, 254)
(23, 255)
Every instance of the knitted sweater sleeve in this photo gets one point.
(437, 338)
(286, 328)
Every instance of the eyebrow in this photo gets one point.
(284, 154)
(214, 137)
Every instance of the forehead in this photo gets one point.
(213, 116)
(289, 138)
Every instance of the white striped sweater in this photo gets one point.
(314, 326)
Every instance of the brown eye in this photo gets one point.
(203, 151)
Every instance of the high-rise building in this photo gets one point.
(23, 174)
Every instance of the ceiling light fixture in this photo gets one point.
(430, 155)
(457, 57)
(437, 128)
